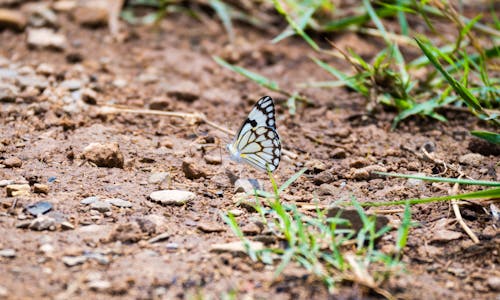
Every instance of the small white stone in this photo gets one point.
(172, 197)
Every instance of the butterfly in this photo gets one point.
(257, 142)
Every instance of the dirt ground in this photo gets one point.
(103, 249)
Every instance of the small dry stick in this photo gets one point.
(459, 218)
(193, 118)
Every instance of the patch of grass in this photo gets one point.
(320, 243)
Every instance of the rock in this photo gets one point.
(15, 190)
(104, 155)
(209, 227)
(366, 172)
(41, 15)
(43, 222)
(89, 96)
(185, 91)
(444, 235)
(471, 159)
(213, 159)
(323, 177)
(172, 247)
(126, 233)
(65, 225)
(494, 283)
(32, 81)
(246, 201)
(91, 13)
(160, 103)
(39, 208)
(172, 197)
(237, 248)
(71, 84)
(8, 92)
(8, 253)
(12, 19)
(236, 212)
(99, 285)
(13, 162)
(101, 206)
(46, 38)
(315, 166)
(119, 202)
(159, 177)
(6, 182)
(47, 249)
(45, 69)
(40, 188)
(338, 153)
(192, 171)
(4, 292)
(159, 238)
(71, 261)
(89, 200)
(247, 186)
(251, 229)
(64, 5)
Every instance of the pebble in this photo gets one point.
(251, 229)
(237, 247)
(47, 249)
(247, 186)
(172, 197)
(99, 285)
(40, 188)
(91, 13)
(101, 206)
(43, 222)
(89, 96)
(104, 155)
(4, 292)
(9, 253)
(236, 212)
(366, 172)
(158, 177)
(46, 38)
(13, 162)
(172, 247)
(191, 170)
(315, 166)
(444, 235)
(209, 227)
(8, 92)
(6, 182)
(185, 91)
(494, 283)
(120, 83)
(64, 5)
(338, 153)
(41, 15)
(13, 19)
(65, 225)
(471, 159)
(89, 200)
(39, 208)
(71, 261)
(15, 190)
(71, 84)
(213, 159)
(119, 202)
(159, 238)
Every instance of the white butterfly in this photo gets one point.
(257, 142)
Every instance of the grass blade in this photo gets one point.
(442, 179)
(486, 135)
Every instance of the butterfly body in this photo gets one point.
(257, 143)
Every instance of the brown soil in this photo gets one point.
(171, 68)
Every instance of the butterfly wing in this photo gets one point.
(260, 147)
(257, 141)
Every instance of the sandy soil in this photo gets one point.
(103, 250)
